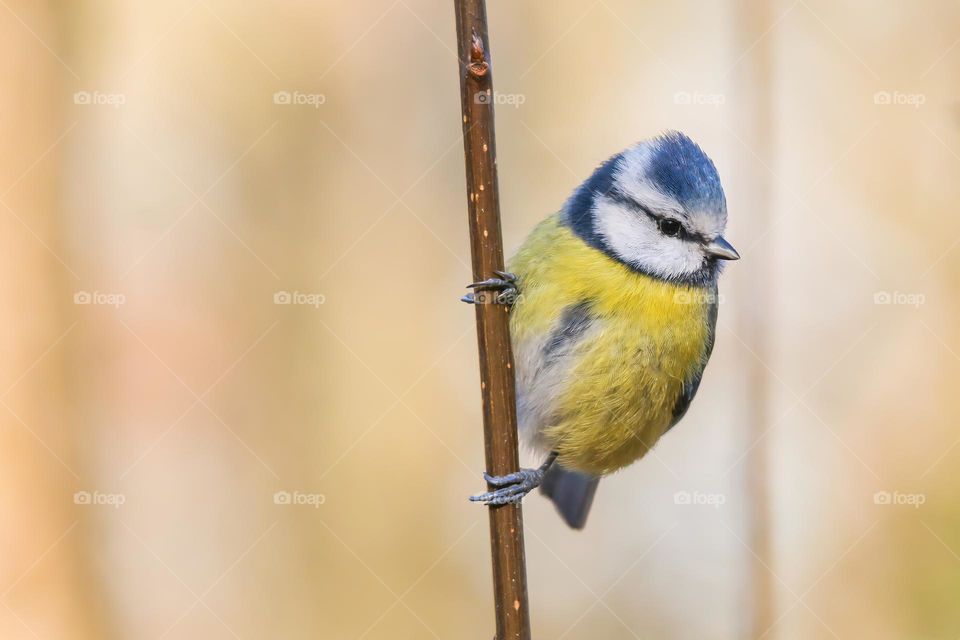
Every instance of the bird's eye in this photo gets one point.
(669, 227)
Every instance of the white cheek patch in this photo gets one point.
(634, 238)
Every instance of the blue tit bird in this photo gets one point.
(613, 318)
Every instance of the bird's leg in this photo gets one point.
(514, 486)
(505, 283)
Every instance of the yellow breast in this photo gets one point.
(620, 382)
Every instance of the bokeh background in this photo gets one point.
(239, 398)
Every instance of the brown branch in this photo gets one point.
(493, 329)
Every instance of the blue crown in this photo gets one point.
(680, 168)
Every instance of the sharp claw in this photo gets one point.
(513, 487)
(491, 282)
(500, 481)
(504, 283)
(514, 493)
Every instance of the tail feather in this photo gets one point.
(571, 492)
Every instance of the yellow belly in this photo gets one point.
(616, 390)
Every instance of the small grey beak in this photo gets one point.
(722, 250)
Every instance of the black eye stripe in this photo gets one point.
(618, 196)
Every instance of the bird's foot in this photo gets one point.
(512, 487)
(505, 284)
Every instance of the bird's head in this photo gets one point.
(657, 207)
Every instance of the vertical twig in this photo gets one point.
(493, 329)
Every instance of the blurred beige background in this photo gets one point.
(186, 456)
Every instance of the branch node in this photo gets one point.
(478, 66)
